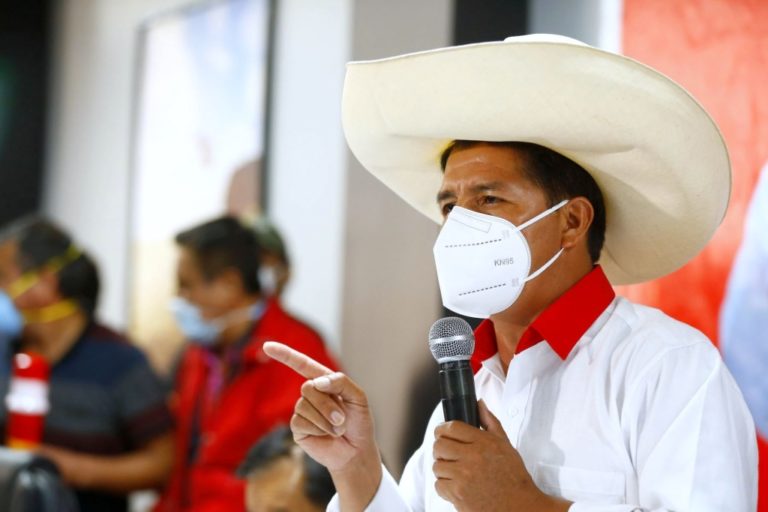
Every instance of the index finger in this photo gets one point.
(295, 360)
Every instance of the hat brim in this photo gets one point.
(657, 156)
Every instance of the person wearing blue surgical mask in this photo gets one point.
(227, 392)
(108, 428)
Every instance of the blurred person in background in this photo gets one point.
(275, 265)
(108, 428)
(744, 313)
(228, 394)
(280, 477)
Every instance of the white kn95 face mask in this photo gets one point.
(483, 261)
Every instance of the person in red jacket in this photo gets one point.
(228, 394)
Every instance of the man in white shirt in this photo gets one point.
(588, 403)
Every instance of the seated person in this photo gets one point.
(228, 394)
(280, 477)
(108, 428)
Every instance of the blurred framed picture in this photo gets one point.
(199, 138)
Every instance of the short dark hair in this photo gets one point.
(318, 485)
(221, 244)
(558, 177)
(39, 241)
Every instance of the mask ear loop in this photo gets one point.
(542, 215)
(544, 266)
(535, 219)
(29, 278)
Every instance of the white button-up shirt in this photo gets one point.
(641, 415)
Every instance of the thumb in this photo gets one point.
(488, 421)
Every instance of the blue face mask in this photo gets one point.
(198, 330)
(192, 324)
(11, 321)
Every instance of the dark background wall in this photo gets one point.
(488, 20)
(24, 58)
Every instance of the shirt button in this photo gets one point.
(513, 411)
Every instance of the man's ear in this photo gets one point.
(578, 215)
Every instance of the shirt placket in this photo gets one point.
(507, 395)
(523, 370)
(515, 403)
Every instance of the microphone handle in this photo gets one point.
(457, 391)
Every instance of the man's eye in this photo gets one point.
(446, 209)
(490, 200)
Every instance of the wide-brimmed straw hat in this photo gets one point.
(655, 153)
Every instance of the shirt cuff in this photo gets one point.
(386, 499)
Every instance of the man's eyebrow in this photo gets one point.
(475, 189)
(487, 187)
(445, 194)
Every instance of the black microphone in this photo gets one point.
(452, 342)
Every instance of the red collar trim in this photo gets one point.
(561, 324)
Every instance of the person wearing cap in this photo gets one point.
(274, 264)
(227, 393)
(107, 427)
(557, 170)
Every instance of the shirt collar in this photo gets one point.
(561, 324)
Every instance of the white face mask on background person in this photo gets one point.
(268, 280)
(483, 261)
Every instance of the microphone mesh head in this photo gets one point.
(451, 339)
